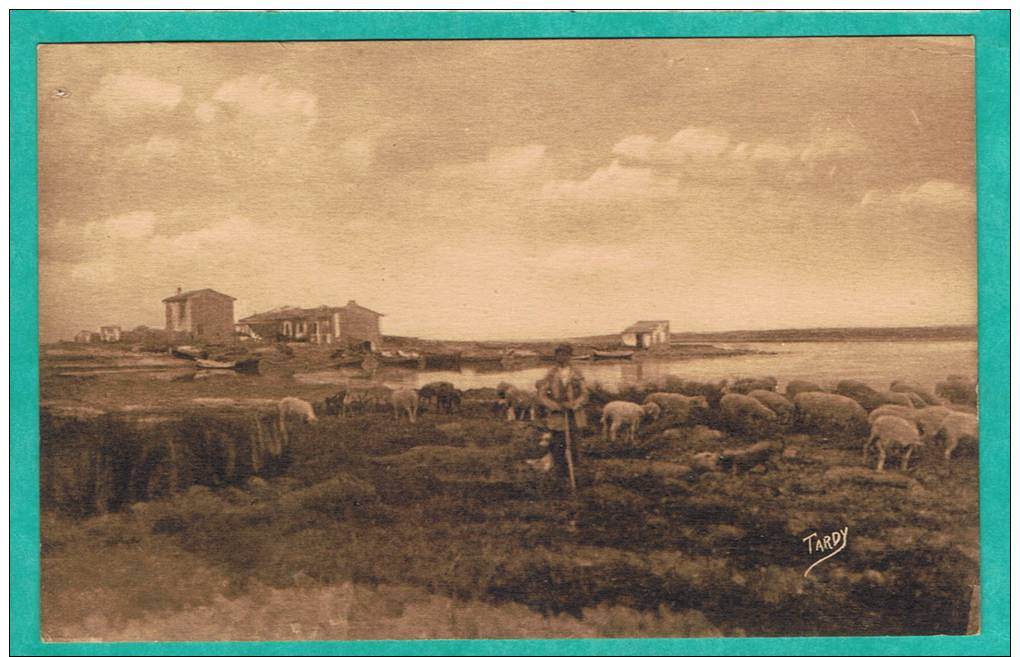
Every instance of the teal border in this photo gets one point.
(991, 30)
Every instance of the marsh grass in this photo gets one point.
(445, 509)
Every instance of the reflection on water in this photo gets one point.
(875, 363)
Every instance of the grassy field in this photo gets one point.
(166, 519)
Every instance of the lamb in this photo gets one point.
(746, 413)
(890, 431)
(822, 412)
(957, 425)
(405, 400)
(617, 413)
(679, 406)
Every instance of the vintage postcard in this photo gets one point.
(480, 339)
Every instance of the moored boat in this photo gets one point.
(612, 355)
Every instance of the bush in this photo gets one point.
(341, 497)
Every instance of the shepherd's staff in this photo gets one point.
(570, 457)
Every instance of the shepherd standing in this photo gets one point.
(564, 393)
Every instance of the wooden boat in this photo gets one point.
(245, 365)
(188, 353)
(612, 355)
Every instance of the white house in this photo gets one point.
(646, 334)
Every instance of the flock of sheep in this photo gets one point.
(905, 417)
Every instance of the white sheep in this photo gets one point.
(957, 425)
(292, 406)
(909, 414)
(405, 400)
(298, 407)
(889, 431)
(615, 414)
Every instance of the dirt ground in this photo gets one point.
(161, 522)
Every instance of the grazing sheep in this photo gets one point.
(748, 457)
(917, 389)
(863, 394)
(618, 413)
(518, 403)
(958, 390)
(955, 426)
(822, 412)
(744, 386)
(916, 400)
(288, 407)
(777, 403)
(794, 388)
(908, 414)
(899, 399)
(745, 413)
(293, 406)
(929, 419)
(676, 405)
(712, 392)
(890, 431)
(405, 400)
(434, 390)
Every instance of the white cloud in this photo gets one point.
(264, 96)
(940, 193)
(697, 143)
(124, 94)
(933, 194)
(638, 147)
(824, 147)
(614, 182)
(691, 143)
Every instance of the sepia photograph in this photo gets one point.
(524, 338)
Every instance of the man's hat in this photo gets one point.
(564, 348)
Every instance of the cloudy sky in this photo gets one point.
(515, 189)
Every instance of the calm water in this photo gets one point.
(825, 363)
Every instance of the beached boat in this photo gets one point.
(245, 365)
(188, 353)
(612, 355)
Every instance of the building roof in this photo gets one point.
(288, 312)
(645, 325)
(293, 312)
(184, 296)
